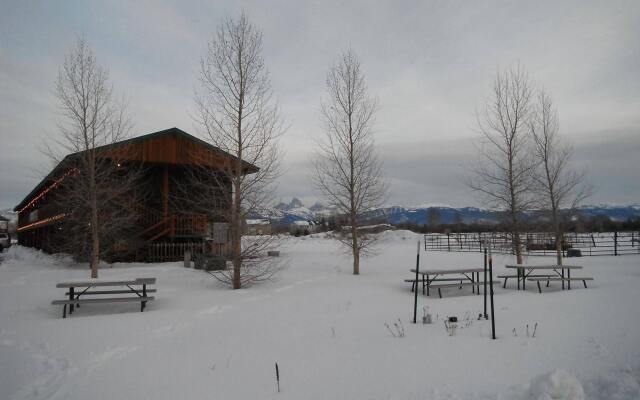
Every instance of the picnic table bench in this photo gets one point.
(505, 277)
(551, 278)
(469, 277)
(556, 273)
(76, 289)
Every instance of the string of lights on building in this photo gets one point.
(55, 184)
(42, 222)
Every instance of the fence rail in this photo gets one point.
(167, 251)
(537, 243)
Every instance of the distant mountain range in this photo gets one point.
(285, 213)
(295, 210)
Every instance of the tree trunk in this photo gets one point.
(236, 216)
(559, 247)
(558, 236)
(354, 245)
(236, 236)
(516, 237)
(518, 246)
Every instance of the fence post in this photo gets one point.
(486, 316)
(493, 316)
(448, 242)
(415, 294)
(615, 243)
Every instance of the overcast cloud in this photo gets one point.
(430, 63)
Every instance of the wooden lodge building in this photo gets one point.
(163, 228)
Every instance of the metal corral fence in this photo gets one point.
(164, 252)
(538, 243)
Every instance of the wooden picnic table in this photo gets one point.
(76, 289)
(524, 270)
(431, 275)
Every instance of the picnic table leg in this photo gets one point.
(71, 297)
(523, 279)
(518, 277)
(64, 311)
(144, 294)
(569, 276)
(478, 283)
(427, 284)
(539, 289)
(473, 287)
(585, 283)
(562, 274)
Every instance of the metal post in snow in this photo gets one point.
(278, 377)
(486, 316)
(493, 315)
(615, 243)
(415, 292)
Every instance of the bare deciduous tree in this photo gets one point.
(558, 186)
(503, 175)
(236, 109)
(95, 196)
(347, 168)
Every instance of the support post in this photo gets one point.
(71, 297)
(425, 282)
(615, 243)
(486, 316)
(165, 192)
(144, 294)
(493, 315)
(415, 292)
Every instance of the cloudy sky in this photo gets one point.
(430, 63)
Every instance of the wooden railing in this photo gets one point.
(157, 226)
(163, 252)
(190, 225)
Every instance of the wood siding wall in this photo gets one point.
(169, 149)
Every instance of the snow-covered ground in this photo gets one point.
(325, 329)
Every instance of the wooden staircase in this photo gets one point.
(164, 227)
(158, 226)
